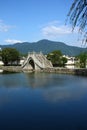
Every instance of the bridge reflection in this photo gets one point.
(44, 80)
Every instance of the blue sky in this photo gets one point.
(33, 20)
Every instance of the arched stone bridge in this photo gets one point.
(36, 61)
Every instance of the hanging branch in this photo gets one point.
(78, 16)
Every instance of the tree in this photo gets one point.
(56, 58)
(0, 53)
(78, 16)
(63, 61)
(83, 59)
(10, 55)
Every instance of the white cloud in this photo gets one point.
(11, 41)
(53, 29)
(4, 27)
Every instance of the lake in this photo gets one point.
(43, 101)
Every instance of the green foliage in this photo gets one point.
(23, 55)
(9, 56)
(0, 53)
(56, 58)
(83, 59)
(63, 61)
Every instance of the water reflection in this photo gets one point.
(12, 80)
(58, 87)
(52, 87)
(43, 101)
(64, 95)
(43, 80)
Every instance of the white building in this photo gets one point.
(1, 62)
(70, 62)
(22, 60)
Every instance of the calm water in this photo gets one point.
(39, 101)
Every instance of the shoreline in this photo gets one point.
(81, 71)
(11, 68)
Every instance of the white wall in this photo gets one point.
(1, 63)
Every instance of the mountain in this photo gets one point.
(46, 46)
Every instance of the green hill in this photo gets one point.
(46, 46)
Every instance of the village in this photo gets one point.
(38, 62)
(72, 62)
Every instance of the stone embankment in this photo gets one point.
(82, 72)
(59, 70)
(11, 68)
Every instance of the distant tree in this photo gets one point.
(83, 59)
(56, 58)
(23, 54)
(0, 53)
(10, 55)
(63, 61)
(78, 16)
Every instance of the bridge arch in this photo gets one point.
(31, 63)
(36, 61)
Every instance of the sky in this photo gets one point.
(34, 20)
